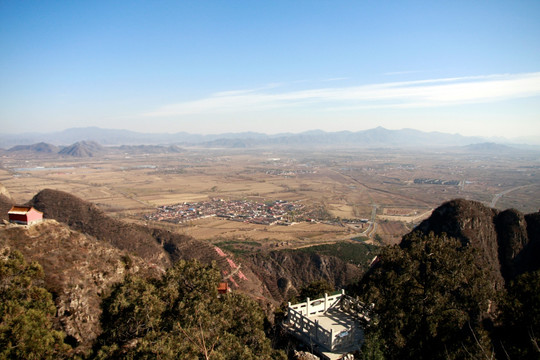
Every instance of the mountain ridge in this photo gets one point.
(508, 241)
(508, 244)
(163, 248)
(378, 136)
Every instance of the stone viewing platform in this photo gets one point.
(331, 326)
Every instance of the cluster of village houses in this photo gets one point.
(267, 213)
(289, 173)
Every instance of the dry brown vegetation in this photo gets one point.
(341, 184)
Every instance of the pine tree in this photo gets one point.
(430, 299)
(26, 312)
(181, 316)
(519, 333)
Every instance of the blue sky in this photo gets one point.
(469, 67)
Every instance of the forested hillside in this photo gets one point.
(464, 284)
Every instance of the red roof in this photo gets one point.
(223, 288)
(22, 210)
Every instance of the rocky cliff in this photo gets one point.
(508, 241)
(257, 275)
(87, 218)
(78, 270)
(285, 272)
(83, 252)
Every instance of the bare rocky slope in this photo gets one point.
(78, 269)
(6, 202)
(508, 241)
(84, 252)
(285, 272)
(260, 276)
(157, 246)
(87, 218)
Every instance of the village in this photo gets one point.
(279, 212)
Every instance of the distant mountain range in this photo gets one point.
(83, 149)
(377, 137)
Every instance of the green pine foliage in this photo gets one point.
(315, 290)
(181, 316)
(352, 252)
(430, 299)
(519, 333)
(26, 312)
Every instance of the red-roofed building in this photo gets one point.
(223, 288)
(25, 215)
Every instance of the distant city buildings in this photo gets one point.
(437, 182)
(267, 213)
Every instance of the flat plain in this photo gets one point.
(390, 190)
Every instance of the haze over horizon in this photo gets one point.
(215, 67)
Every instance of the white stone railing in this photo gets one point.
(310, 328)
(318, 306)
(344, 338)
(355, 307)
(298, 316)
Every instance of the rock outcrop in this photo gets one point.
(508, 241)
(157, 246)
(285, 272)
(78, 270)
(87, 218)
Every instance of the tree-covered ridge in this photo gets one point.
(430, 299)
(433, 301)
(181, 315)
(434, 296)
(519, 330)
(26, 312)
(357, 253)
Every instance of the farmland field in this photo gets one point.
(390, 191)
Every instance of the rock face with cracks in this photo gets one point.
(285, 272)
(508, 241)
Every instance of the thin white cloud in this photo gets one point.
(408, 94)
(336, 79)
(391, 73)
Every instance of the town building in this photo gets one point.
(25, 215)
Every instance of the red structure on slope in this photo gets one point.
(24, 215)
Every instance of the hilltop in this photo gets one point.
(463, 284)
(84, 252)
(83, 149)
(258, 275)
(488, 147)
(86, 149)
(40, 147)
(508, 241)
